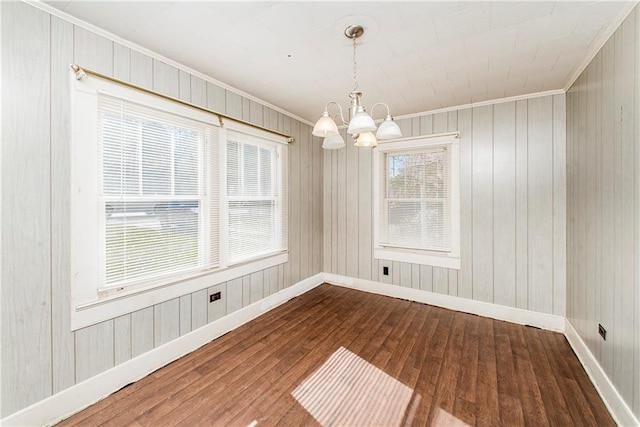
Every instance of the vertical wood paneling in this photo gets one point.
(352, 212)
(504, 204)
(93, 51)
(273, 280)
(522, 204)
(184, 86)
(317, 163)
(607, 203)
(287, 129)
(365, 214)
(295, 198)
(540, 213)
(335, 201)
(121, 59)
(216, 98)
(63, 354)
(141, 331)
(199, 302)
(166, 79)
(405, 274)
(246, 290)
(233, 104)
(166, 322)
(440, 275)
(630, 253)
(305, 191)
(327, 210)
(198, 91)
(592, 338)
(453, 273)
(482, 197)
(426, 278)
(141, 70)
(255, 113)
(465, 275)
(234, 295)
(122, 338)
(636, 327)
(94, 350)
(185, 314)
(559, 205)
(602, 208)
(218, 308)
(26, 246)
(341, 207)
(257, 291)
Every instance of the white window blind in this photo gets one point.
(256, 197)
(158, 183)
(416, 199)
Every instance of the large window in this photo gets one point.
(163, 195)
(417, 201)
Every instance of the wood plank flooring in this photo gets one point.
(462, 369)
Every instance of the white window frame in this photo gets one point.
(90, 304)
(446, 259)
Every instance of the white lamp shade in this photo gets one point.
(366, 139)
(361, 123)
(333, 142)
(325, 126)
(388, 129)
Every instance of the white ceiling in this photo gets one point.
(415, 56)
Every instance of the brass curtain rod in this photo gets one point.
(82, 72)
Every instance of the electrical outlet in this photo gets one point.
(385, 271)
(215, 296)
(602, 331)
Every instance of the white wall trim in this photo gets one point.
(64, 404)
(117, 39)
(500, 312)
(480, 104)
(618, 408)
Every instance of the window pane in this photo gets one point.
(233, 170)
(250, 170)
(156, 153)
(252, 227)
(417, 199)
(147, 239)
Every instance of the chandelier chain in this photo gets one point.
(355, 67)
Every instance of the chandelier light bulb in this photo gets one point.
(388, 129)
(333, 142)
(366, 139)
(325, 126)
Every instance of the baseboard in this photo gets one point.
(500, 312)
(66, 403)
(620, 411)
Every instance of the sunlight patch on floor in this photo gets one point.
(349, 391)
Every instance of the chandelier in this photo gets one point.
(360, 124)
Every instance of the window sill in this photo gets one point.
(414, 257)
(119, 304)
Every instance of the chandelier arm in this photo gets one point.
(326, 108)
(380, 103)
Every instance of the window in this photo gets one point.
(417, 216)
(162, 195)
(256, 195)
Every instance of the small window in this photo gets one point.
(256, 197)
(417, 216)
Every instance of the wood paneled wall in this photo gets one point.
(603, 208)
(512, 199)
(40, 356)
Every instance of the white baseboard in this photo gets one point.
(515, 315)
(618, 408)
(64, 404)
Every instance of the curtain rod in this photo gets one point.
(82, 72)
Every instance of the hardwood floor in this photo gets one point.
(463, 369)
